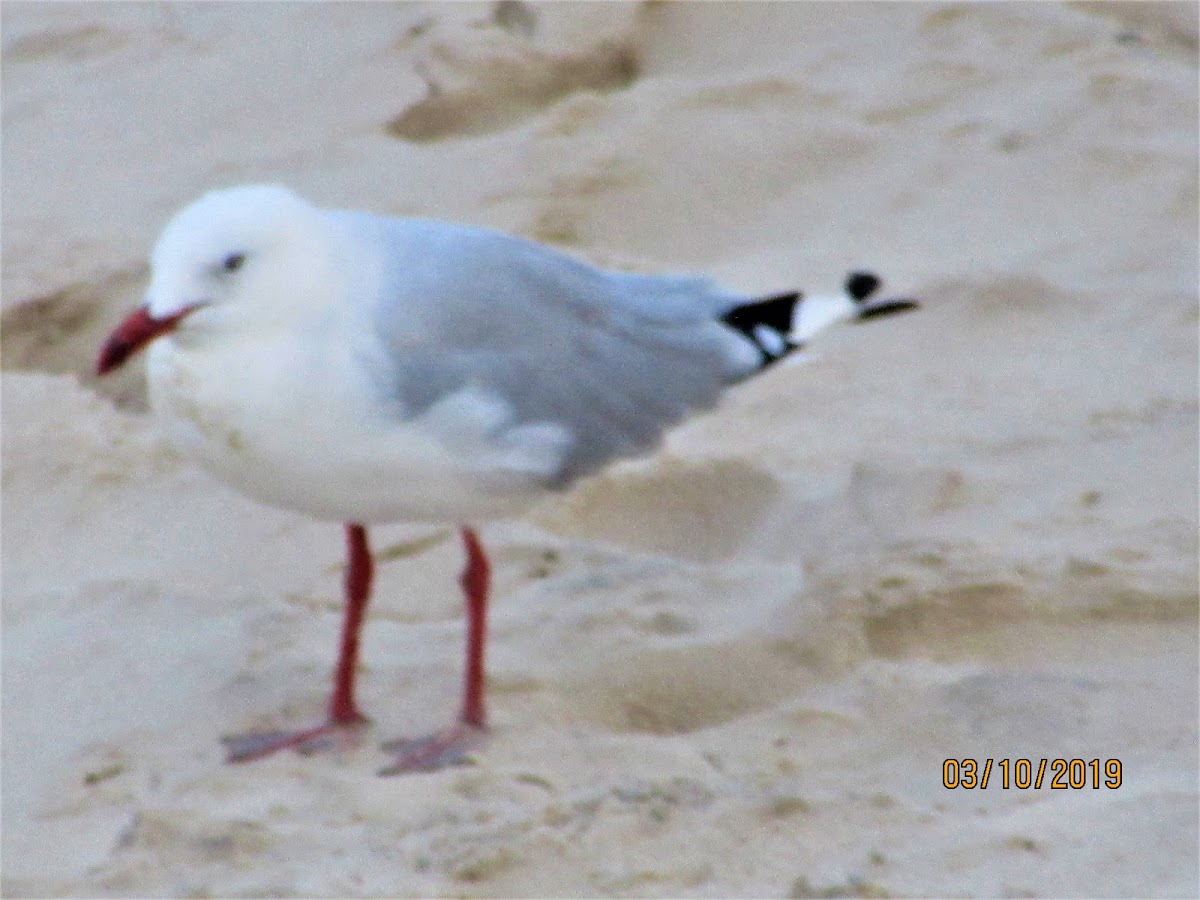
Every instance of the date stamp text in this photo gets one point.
(1024, 774)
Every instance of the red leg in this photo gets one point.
(360, 570)
(343, 712)
(475, 580)
(450, 746)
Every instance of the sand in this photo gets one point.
(733, 668)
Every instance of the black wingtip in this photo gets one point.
(766, 324)
(861, 285)
(886, 308)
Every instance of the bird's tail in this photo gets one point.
(784, 323)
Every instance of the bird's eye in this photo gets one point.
(233, 262)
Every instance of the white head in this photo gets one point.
(253, 250)
(252, 258)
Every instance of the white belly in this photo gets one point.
(306, 433)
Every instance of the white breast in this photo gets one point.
(295, 424)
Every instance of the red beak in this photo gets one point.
(138, 329)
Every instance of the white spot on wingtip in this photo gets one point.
(814, 314)
(770, 340)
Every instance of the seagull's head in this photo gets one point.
(246, 257)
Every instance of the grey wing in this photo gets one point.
(609, 359)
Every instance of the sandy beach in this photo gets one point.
(735, 667)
